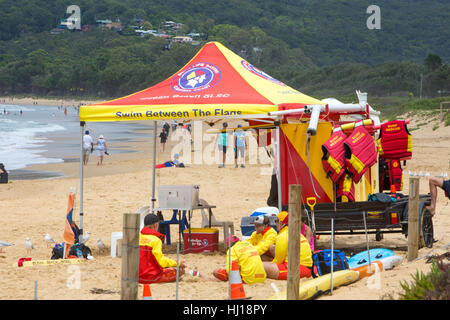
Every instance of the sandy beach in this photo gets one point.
(32, 208)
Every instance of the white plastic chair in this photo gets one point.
(228, 226)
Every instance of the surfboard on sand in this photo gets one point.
(362, 258)
(315, 287)
(378, 266)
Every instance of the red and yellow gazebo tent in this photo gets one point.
(215, 83)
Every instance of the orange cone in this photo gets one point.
(147, 295)
(237, 288)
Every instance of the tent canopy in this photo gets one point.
(215, 83)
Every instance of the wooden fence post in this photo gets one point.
(295, 217)
(130, 257)
(413, 218)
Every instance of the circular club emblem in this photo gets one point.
(197, 77)
(260, 73)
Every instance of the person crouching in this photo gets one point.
(154, 267)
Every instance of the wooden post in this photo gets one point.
(130, 257)
(413, 218)
(295, 217)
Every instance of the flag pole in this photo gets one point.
(155, 123)
(82, 124)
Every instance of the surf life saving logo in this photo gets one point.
(260, 73)
(197, 77)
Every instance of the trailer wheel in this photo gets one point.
(426, 233)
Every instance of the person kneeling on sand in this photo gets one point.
(263, 237)
(154, 267)
(247, 257)
(434, 183)
(277, 269)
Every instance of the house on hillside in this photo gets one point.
(181, 39)
(102, 23)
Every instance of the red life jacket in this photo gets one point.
(396, 174)
(395, 141)
(360, 152)
(345, 189)
(333, 155)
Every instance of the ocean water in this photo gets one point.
(44, 134)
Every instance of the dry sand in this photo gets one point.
(33, 208)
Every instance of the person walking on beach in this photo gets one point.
(88, 146)
(166, 127)
(434, 183)
(102, 148)
(239, 146)
(163, 136)
(223, 143)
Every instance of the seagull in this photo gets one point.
(28, 245)
(84, 237)
(4, 245)
(49, 239)
(100, 245)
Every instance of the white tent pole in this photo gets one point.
(155, 124)
(82, 124)
(279, 169)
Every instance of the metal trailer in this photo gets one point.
(380, 218)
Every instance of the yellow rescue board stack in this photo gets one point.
(321, 284)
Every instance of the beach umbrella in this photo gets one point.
(215, 83)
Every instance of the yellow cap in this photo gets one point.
(283, 217)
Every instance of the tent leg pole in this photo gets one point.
(280, 198)
(155, 124)
(82, 124)
(332, 254)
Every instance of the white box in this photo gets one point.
(178, 197)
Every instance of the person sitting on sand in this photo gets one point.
(88, 146)
(154, 267)
(102, 148)
(434, 183)
(277, 269)
(247, 257)
(263, 237)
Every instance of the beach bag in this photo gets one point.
(4, 174)
(58, 251)
(322, 262)
(85, 250)
(381, 197)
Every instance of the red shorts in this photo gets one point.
(167, 275)
(223, 275)
(305, 272)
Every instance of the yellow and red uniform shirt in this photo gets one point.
(151, 259)
(262, 241)
(281, 249)
(249, 261)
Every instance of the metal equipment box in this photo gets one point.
(178, 197)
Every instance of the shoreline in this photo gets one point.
(27, 101)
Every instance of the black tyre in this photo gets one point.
(426, 233)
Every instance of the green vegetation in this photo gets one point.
(432, 286)
(322, 48)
